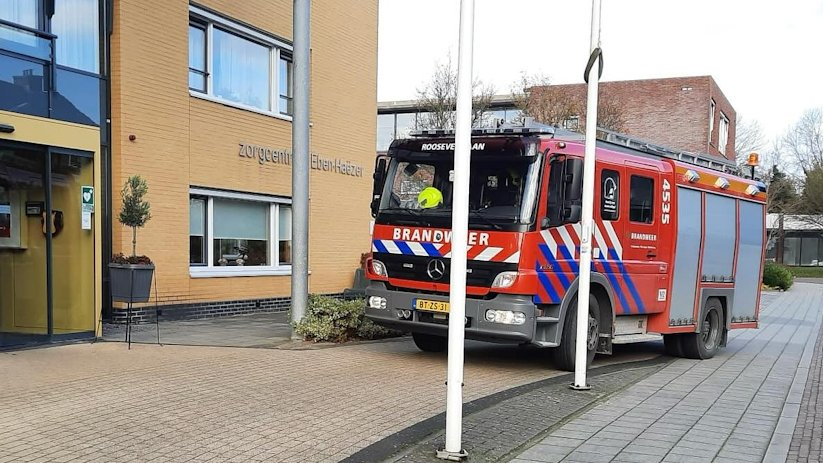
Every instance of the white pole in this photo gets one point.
(460, 231)
(587, 212)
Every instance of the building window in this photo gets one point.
(712, 106)
(609, 195)
(238, 234)
(641, 199)
(197, 230)
(75, 22)
(723, 137)
(286, 82)
(23, 12)
(385, 131)
(239, 66)
(197, 57)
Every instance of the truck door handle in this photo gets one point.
(651, 254)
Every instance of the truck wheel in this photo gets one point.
(705, 344)
(564, 354)
(672, 344)
(429, 342)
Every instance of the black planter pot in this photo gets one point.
(131, 282)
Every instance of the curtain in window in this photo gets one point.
(284, 234)
(23, 12)
(241, 70)
(76, 24)
(241, 219)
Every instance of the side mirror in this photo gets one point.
(379, 177)
(572, 213)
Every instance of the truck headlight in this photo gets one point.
(379, 268)
(504, 279)
(505, 317)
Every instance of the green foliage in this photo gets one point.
(777, 276)
(782, 193)
(813, 192)
(335, 320)
(807, 272)
(135, 212)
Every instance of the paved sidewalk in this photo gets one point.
(250, 330)
(104, 403)
(727, 409)
(807, 438)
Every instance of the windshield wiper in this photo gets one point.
(485, 219)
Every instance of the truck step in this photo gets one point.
(629, 338)
(547, 319)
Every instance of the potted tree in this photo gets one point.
(131, 275)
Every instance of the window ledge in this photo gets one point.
(214, 99)
(222, 272)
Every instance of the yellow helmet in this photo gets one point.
(430, 197)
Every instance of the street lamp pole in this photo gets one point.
(300, 164)
(586, 222)
(460, 231)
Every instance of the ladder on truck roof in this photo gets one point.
(636, 144)
(529, 127)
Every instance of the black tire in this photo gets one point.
(706, 344)
(563, 355)
(430, 342)
(672, 345)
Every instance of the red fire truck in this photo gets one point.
(678, 242)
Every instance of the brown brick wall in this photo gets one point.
(672, 112)
(183, 141)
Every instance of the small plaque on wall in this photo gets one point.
(34, 208)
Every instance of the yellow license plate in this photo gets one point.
(431, 306)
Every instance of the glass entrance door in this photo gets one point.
(47, 269)
(23, 247)
(72, 245)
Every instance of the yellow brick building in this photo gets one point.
(201, 97)
(196, 99)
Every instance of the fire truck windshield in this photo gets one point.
(502, 191)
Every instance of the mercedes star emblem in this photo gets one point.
(436, 269)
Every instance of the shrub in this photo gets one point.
(777, 276)
(335, 320)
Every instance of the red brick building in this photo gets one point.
(686, 113)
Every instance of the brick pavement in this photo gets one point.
(103, 403)
(493, 431)
(807, 438)
(725, 409)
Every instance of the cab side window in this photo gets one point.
(641, 199)
(609, 194)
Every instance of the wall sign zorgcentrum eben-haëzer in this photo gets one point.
(265, 155)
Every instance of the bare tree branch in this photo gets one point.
(804, 141)
(563, 105)
(437, 100)
(749, 138)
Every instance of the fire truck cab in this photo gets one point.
(677, 248)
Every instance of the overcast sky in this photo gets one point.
(765, 55)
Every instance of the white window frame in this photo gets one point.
(212, 271)
(209, 20)
(712, 108)
(723, 133)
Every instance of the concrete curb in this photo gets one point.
(778, 449)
